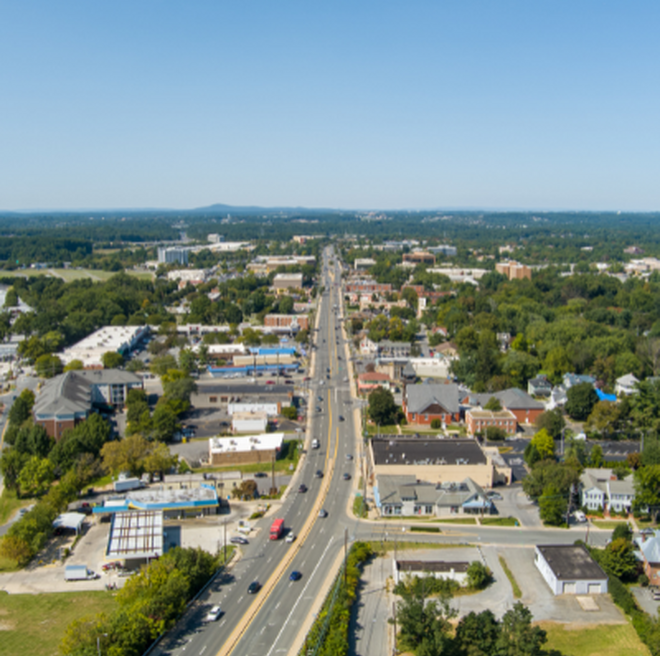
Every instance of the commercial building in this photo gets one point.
(172, 255)
(284, 282)
(69, 398)
(419, 257)
(110, 339)
(368, 287)
(569, 569)
(245, 450)
(443, 249)
(249, 422)
(521, 404)
(439, 569)
(477, 421)
(371, 380)
(514, 270)
(363, 263)
(437, 460)
(286, 323)
(424, 403)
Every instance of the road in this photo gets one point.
(271, 622)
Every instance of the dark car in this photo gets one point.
(237, 539)
(302, 488)
(319, 473)
(349, 456)
(260, 474)
(318, 408)
(341, 417)
(323, 513)
(320, 398)
(254, 587)
(295, 576)
(346, 476)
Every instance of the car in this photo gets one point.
(238, 539)
(349, 456)
(319, 409)
(341, 417)
(494, 496)
(302, 488)
(323, 513)
(290, 537)
(328, 369)
(213, 614)
(270, 382)
(306, 378)
(322, 382)
(328, 376)
(346, 476)
(254, 587)
(320, 398)
(295, 576)
(319, 473)
(288, 382)
(260, 474)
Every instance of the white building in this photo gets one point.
(188, 275)
(569, 569)
(245, 449)
(439, 569)
(114, 339)
(436, 367)
(270, 409)
(173, 254)
(249, 422)
(626, 385)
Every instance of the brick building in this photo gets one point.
(424, 403)
(291, 322)
(478, 421)
(514, 270)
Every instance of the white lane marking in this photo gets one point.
(240, 599)
(202, 650)
(293, 610)
(278, 605)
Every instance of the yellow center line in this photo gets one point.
(245, 623)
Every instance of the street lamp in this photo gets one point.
(98, 642)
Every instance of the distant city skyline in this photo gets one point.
(351, 106)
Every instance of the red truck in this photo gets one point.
(277, 529)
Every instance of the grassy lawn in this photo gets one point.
(607, 523)
(457, 520)
(9, 504)
(517, 592)
(594, 640)
(7, 565)
(33, 625)
(382, 430)
(499, 521)
(645, 523)
(74, 274)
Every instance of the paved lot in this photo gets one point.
(644, 597)
(374, 607)
(515, 503)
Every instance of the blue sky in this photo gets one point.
(496, 104)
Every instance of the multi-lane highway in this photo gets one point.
(269, 622)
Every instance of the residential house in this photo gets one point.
(371, 380)
(521, 404)
(539, 386)
(570, 569)
(600, 489)
(649, 554)
(558, 398)
(575, 379)
(626, 385)
(424, 403)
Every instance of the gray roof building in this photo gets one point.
(570, 569)
(412, 451)
(511, 399)
(420, 399)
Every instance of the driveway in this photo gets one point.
(515, 503)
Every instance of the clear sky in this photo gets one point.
(532, 104)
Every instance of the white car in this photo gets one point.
(290, 537)
(213, 614)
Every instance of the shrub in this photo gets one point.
(436, 424)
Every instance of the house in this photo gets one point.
(389, 349)
(558, 398)
(521, 404)
(405, 496)
(649, 553)
(364, 263)
(575, 379)
(539, 386)
(371, 380)
(626, 385)
(570, 569)
(601, 490)
(478, 421)
(448, 349)
(68, 399)
(289, 323)
(368, 347)
(437, 460)
(424, 403)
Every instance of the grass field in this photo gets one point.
(457, 520)
(9, 504)
(499, 521)
(74, 274)
(517, 592)
(33, 625)
(594, 640)
(607, 523)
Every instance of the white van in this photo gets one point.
(579, 516)
(315, 444)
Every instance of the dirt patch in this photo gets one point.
(7, 626)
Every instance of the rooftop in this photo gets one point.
(571, 562)
(420, 397)
(263, 442)
(135, 535)
(411, 451)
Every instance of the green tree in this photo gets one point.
(552, 506)
(74, 365)
(581, 400)
(647, 489)
(187, 360)
(477, 634)
(563, 476)
(48, 366)
(618, 558)
(544, 444)
(162, 364)
(622, 531)
(112, 360)
(36, 476)
(493, 404)
(290, 412)
(596, 456)
(11, 298)
(33, 440)
(517, 635)
(605, 418)
(478, 575)
(19, 412)
(552, 421)
(11, 464)
(159, 459)
(178, 392)
(164, 422)
(382, 408)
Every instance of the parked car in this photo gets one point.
(213, 614)
(349, 456)
(341, 417)
(254, 587)
(260, 474)
(237, 539)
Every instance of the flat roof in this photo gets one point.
(570, 562)
(431, 566)
(160, 497)
(245, 443)
(411, 451)
(136, 534)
